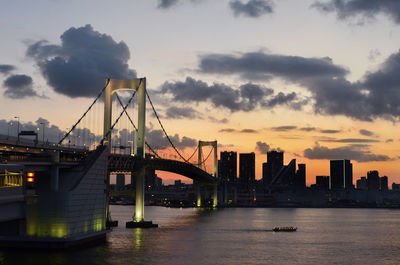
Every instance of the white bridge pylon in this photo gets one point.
(214, 145)
(139, 85)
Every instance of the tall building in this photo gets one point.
(271, 168)
(227, 166)
(247, 170)
(322, 182)
(120, 181)
(362, 184)
(341, 175)
(373, 180)
(300, 179)
(384, 183)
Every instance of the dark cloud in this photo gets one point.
(251, 8)
(164, 4)
(19, 87)
(158, 141)
(330, 131)
(228, 130)
(373, 55)
(363, 8)
(248, 131)
(389, 141)
(247, 98)
(377, 95)
(263, 66)
(181, 113)
(284, 128)
(262, 147)
(351, 140)
(5, 69)
(359, 153)
(79, 66)
(308, 129)
(366, 132)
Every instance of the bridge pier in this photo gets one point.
(197, 190)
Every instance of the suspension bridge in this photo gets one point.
(86, 147)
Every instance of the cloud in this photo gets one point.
(248, 131)
(350, 140)
(366, 132)
(329, 131)
(373, 55)
(52, 132)
(165, 4)
(19, 87)
(359, 153)
(251, 8)
(246, 98)
(308, 129)
(181, 113)
(223, 120)
(284, 128)
(79, 66)
(389, 141)
(376, 95)
(158, 141)
(5, 69)
(262, 147)
(230, 130)
(264, 66)
(346, 9)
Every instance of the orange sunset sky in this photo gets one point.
(318, 80)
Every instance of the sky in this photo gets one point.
(317, 79)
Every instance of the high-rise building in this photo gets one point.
(227, 166)
(272, 166)
(120, 181)
(373, 180)
(322, 182)
(341, 175)
(362, 183)
(300, 180)
(247, 171)
(384, 183)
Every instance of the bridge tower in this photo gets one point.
(139, 85)
(200, 165)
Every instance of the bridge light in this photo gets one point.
(30, 177)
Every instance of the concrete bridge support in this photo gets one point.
(200, 165)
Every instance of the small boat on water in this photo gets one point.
(284, 229)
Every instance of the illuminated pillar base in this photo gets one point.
(215, 196)
(197, 193)
(141, 224)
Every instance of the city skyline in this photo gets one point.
(290, 77)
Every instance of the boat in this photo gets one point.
(284, 229)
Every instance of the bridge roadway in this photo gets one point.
(123, 163)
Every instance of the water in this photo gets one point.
(240, 236)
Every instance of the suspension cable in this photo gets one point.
(162, 127)
(84, 114)
(129, 117)
(208, 156)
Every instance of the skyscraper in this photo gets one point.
(384, 183)
(272, 166)
(247, 171)
(300, 179)
(373, 180)
(341, 175)
(228, 166)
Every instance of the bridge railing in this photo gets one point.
(11, 179)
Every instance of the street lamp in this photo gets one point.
(42, 123)
(8, 129)
(17, 117)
